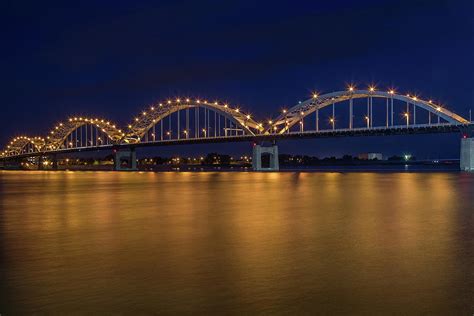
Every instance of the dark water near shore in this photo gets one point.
(237, 242)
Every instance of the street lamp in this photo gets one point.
(408, 118)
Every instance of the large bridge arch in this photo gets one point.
(298, 112)
(156, 113)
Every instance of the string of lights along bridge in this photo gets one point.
(185, 120)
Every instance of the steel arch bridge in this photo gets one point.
(187, 121)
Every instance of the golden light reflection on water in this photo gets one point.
(243, 242)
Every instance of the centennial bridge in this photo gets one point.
(351, 112)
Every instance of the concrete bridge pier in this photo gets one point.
(467, 154)
(467, 149)
(40, 163)
(259, 150)
(54, 162)
(127, 156)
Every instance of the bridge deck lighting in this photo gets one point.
(161, 104)
(415, 98)
(144, 113)
(372, 89)
(225, 105)
(187, 100)
(198, 101)
(315, 95)
(248, 117)
(351, 88)
(152, 108)
(438, 108)
(302, 113)
(216, 103)
(430, 101)
(169, 101)
(284, 111)
(391, 92)
(237, 110)
(178, 100)
(270, 122)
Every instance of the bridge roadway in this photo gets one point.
(326, 133)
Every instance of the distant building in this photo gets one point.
(370, 156)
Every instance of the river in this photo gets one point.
(236, 242)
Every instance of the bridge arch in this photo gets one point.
(298, 112)
(83, 132)
(23, 145)
(144, 122)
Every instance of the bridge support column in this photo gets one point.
(40, 163)
(54, 162)
(258, 151)
(129, 156)
(467, 154)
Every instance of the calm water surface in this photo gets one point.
(228, 242)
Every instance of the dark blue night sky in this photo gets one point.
(113, 58)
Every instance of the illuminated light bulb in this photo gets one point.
(215, 103)
(169, 101)
(178, 100)
(136, 119)
(315, 95)
(187, 100)
(198, 101)
(152, 108)
(248, 117)
(144, 113)
(302, 113)
(270, 122)
(284, 111)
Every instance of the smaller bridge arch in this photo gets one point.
(83, 132)
(145, 122)
(23, 145)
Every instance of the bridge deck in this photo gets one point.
(374, 131)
